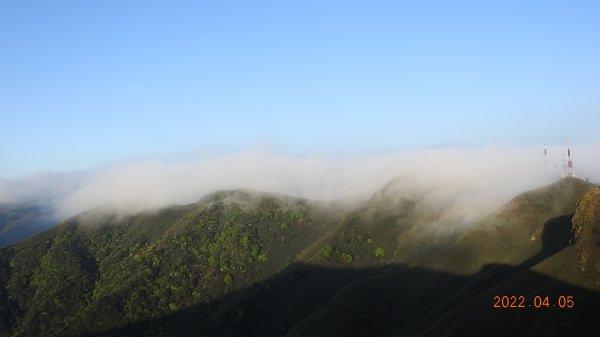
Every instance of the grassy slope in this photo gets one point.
(405, 301)
(574, 271)
(512, 234)
(397, 223)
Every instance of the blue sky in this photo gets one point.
(83, 83)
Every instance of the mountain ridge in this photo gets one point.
(239, 258)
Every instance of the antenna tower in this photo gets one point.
(568, 168)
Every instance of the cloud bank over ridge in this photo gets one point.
(483, 177)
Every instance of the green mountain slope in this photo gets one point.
(99, 270)
(514, 232)
(574, 271)
(452, 292)
(241, 263)
(395, 226)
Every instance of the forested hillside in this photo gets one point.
(242, 263)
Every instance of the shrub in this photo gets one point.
(262, 257)
(379, 251)
(254, 252)
(346, 257)
(228, 279)
(327, 250)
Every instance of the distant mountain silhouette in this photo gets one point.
(20, 220)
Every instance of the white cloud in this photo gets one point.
(474, 180)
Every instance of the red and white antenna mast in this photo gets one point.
(569, 166)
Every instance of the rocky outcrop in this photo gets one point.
(586, 230)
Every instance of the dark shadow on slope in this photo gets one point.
(557, 234)
(262, 309)
(308, 300)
